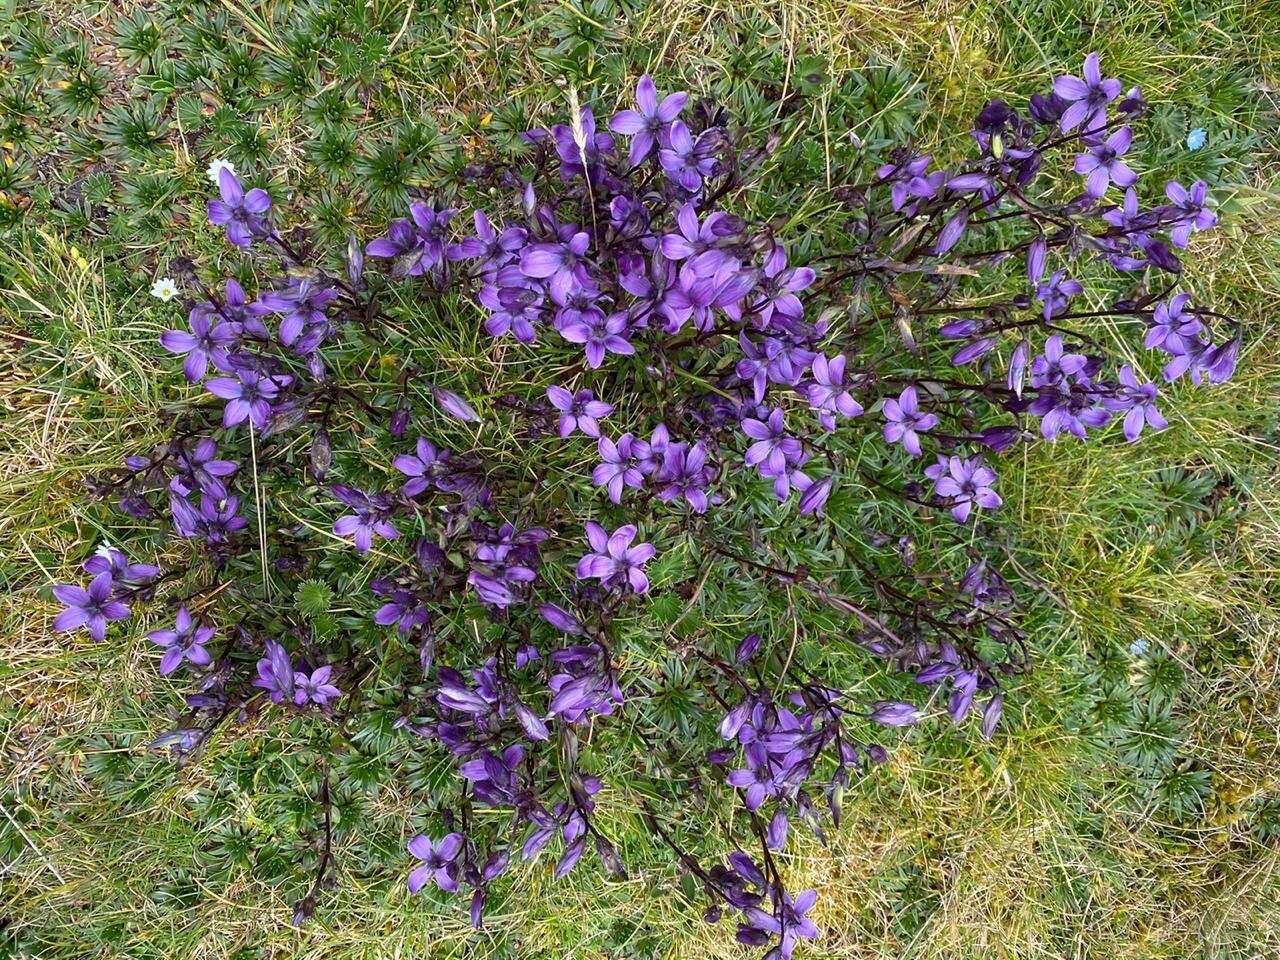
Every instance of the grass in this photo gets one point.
(1129, 809)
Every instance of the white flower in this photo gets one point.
(216, 166)
(164, 288)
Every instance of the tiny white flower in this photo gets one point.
(164, 288)
(216, 166)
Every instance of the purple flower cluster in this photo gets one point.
(698, 362)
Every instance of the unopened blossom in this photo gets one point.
(275, 673)
(966, 482)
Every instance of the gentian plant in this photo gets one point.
(697, 375)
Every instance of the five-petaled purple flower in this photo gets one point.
(615, 562)
(904, 421)
(650, 123)
(372, 512)
(580, 410)
(685, 160)
(966, 482)
(210, 339)
(1101, 165)
(314, 688)
(827, 394)
(91, 607)
(248, 395)
(1139, 402)
(184, 641)
(1086, 97)
(241, 213)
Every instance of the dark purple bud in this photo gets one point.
(454, 405)
(972, 351)
(354, 259)
(998, 438)
(750, 643)
(991, 715)
(815, 495)
(560, 618)
(399, 421)
(776, 835)
(477, 908)
(321, 454)
(895, 713)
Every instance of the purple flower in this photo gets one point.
(687, 162)
(966, 483)
(240, 212)
(315, 687)
(1055, 292)
(779, 285)
(113, 561)
(200, 469)
(697, 296)
(827, 394)
(1139, 400)
(437, 861)
(1086, 97)
(248, 395)
(579, 410)
(694, 242)
(620, 467)
(208, 340)
(814, 495)
(185, 641)
(773, 451)
(275, 673)
(904, 421)
(404, 608)
(1053, 366)
(895, 713)
(560, 618)
(561, 264)
(1189, 203)
(614, 561)
(417, 467)
(1173, 327)
(372, 512)
(454, 405)
(685, 473)
(650, 123)
(600, 334)
(1101, 165)
(92, 608)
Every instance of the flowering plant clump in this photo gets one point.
(674, 385)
